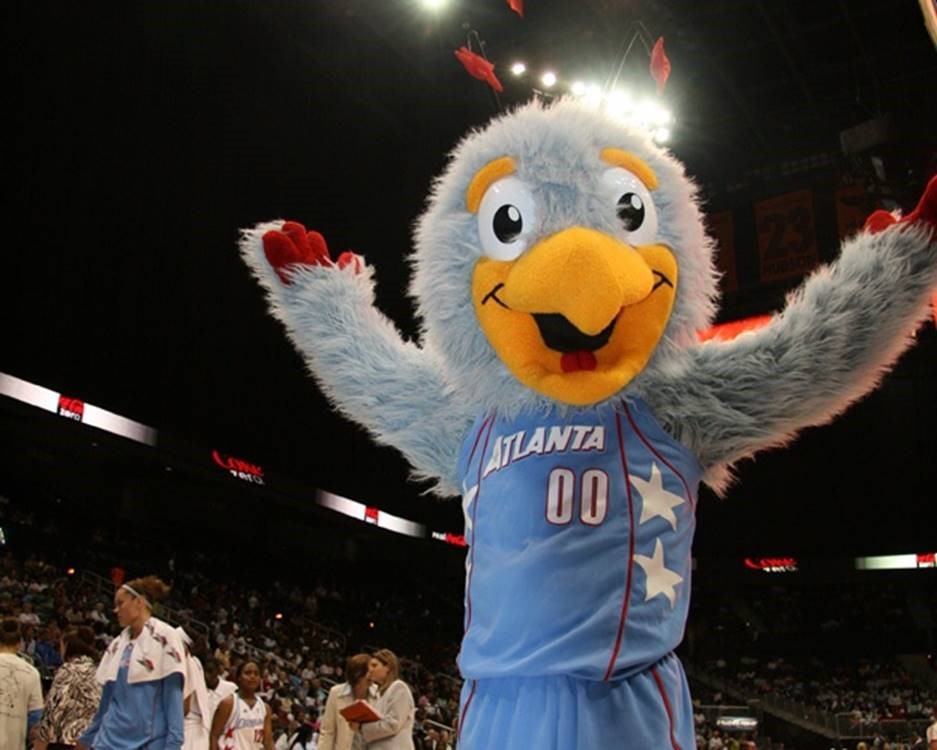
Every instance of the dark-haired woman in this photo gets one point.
(334, 732)
(74, 696)
(143, 672)
(303, 738)
(243, 721)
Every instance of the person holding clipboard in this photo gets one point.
(334, 730)
(389, 725)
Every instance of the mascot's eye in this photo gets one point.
(508, 223)
(507, 218)
(633, 204)
(631, 211)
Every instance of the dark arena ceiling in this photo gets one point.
(145, 134)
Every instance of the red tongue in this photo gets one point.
(574, 361)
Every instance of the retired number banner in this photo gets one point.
(787, 242)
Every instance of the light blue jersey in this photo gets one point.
(579, 525)
(141, 715)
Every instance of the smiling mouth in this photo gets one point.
(659, 280)
(562, 336)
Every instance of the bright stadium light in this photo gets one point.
(649, 113)
(433, 4)
(518, 68)
(593, 96)
(661, 135)
(578, 88)
(618, 104)
(548, 79)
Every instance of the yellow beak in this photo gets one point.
(580, 273)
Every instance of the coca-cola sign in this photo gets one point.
(456, 540)
(772, 564)
(239, 469)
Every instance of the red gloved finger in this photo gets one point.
(349, 258)
(926, 209)
(297, 233)
(879, 221)
(281, 252)
(318, 249)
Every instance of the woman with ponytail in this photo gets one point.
(143, 674)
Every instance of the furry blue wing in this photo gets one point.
(833, 342)
(393, 388)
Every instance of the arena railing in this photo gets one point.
(790, 710)
(436, 724)
(894, 730)
(318, 627)
(842, 725)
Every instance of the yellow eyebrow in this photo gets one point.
(626, 160)
(483, 179)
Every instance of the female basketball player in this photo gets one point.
(143, 673)
(243, 721)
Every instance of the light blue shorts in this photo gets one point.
(650, 710)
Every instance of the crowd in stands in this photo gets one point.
(300, 661)
(871, 691)
(272, 624)
(857, 608)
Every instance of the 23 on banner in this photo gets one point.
(787, 241)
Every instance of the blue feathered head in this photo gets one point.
(561, 258)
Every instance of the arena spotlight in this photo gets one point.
(518, 68)
(278, 616)
(618, 104)
(593, 96)
(433, 4)
(548, 79)
(578, 88)
(649, 113)
(70, 571)
(661, 135)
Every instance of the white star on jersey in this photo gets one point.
(660, 580)
(656, 501)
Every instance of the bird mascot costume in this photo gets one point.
(562, 273)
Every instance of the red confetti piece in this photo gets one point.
(478, 67)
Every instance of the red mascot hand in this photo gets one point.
(926, 211)
(293, 245)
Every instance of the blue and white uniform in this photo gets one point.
(141, 701)
(244, 729)
(579, 525)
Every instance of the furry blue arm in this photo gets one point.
(393, 388)
(833, 342)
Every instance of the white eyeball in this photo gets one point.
(633, 202)
(507, 217)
